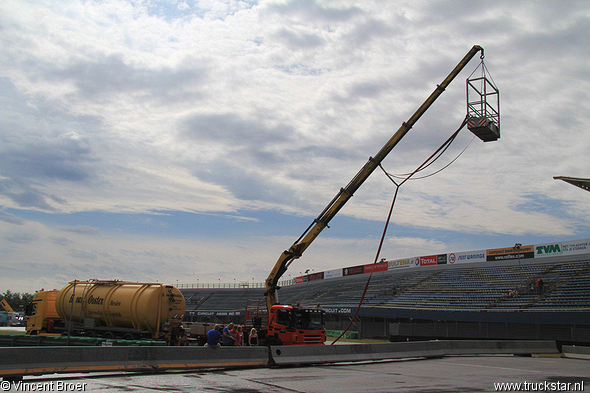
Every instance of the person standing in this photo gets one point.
(235, 335)
(253, 338)
(241, 334)
(227, 339)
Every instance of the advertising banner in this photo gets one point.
(576, 247)
(315, 276)
(298, 280)
(427, 261)
(349, 271)
(400, 263)
(375, 267)
(333, 273)
(215, 313)
(563, 248)
(508, 253)
(469, 256)
(338, 310)
(571, 247)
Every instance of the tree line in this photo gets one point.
(16, 300)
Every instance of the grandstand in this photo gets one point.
(498, 299)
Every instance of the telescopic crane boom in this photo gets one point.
(6, 306)
(316, 227)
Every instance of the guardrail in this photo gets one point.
(16, 362)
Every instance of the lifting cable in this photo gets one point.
(408, 176)
(484, 71)
(435, 156)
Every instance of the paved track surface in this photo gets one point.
(449, 374)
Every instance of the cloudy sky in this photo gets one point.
(194, 141)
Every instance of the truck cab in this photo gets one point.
(41, 313)
(295, 325)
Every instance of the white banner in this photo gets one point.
(563, 248)
(467, 257)
(332, 273)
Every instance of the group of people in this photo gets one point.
(512, 294)
(230, 335)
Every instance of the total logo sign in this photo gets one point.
(426, 261)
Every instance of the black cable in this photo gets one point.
(425, 164)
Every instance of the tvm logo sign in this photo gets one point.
(551, 249)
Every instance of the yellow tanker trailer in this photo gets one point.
(109, 309)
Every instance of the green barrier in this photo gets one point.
(337, 333)
(62, 341)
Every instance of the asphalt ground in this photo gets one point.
(448, 374)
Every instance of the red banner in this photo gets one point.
(428, 261)
(376, 267)
(348, 271)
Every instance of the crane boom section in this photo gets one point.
(318, 225)
(6, 306)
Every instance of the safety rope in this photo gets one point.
(435, 156)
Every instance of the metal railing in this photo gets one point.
(241, 284)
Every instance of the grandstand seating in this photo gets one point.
(459, 287)
(219, 299)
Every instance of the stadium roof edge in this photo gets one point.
(576, 181)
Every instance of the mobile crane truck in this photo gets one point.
(296, 325)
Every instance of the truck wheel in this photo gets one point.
(129, 336)
(90, 334)
(108, 335)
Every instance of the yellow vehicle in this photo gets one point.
(42, 314)
(6, 306)
(282, 320)
(109, 309)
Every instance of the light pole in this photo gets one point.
(517, 248)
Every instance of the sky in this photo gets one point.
(191, 142)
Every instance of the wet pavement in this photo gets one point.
(448, 374)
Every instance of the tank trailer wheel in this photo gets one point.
(108, 335)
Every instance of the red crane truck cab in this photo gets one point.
(296, 325)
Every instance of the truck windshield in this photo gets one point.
(31, 308)
(308, 319)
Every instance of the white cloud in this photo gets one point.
(237, 107)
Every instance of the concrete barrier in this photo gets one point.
(16, 362)
(575, 352)
(514, 347)
(352, 352)
(21, 361)
(414, 349)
